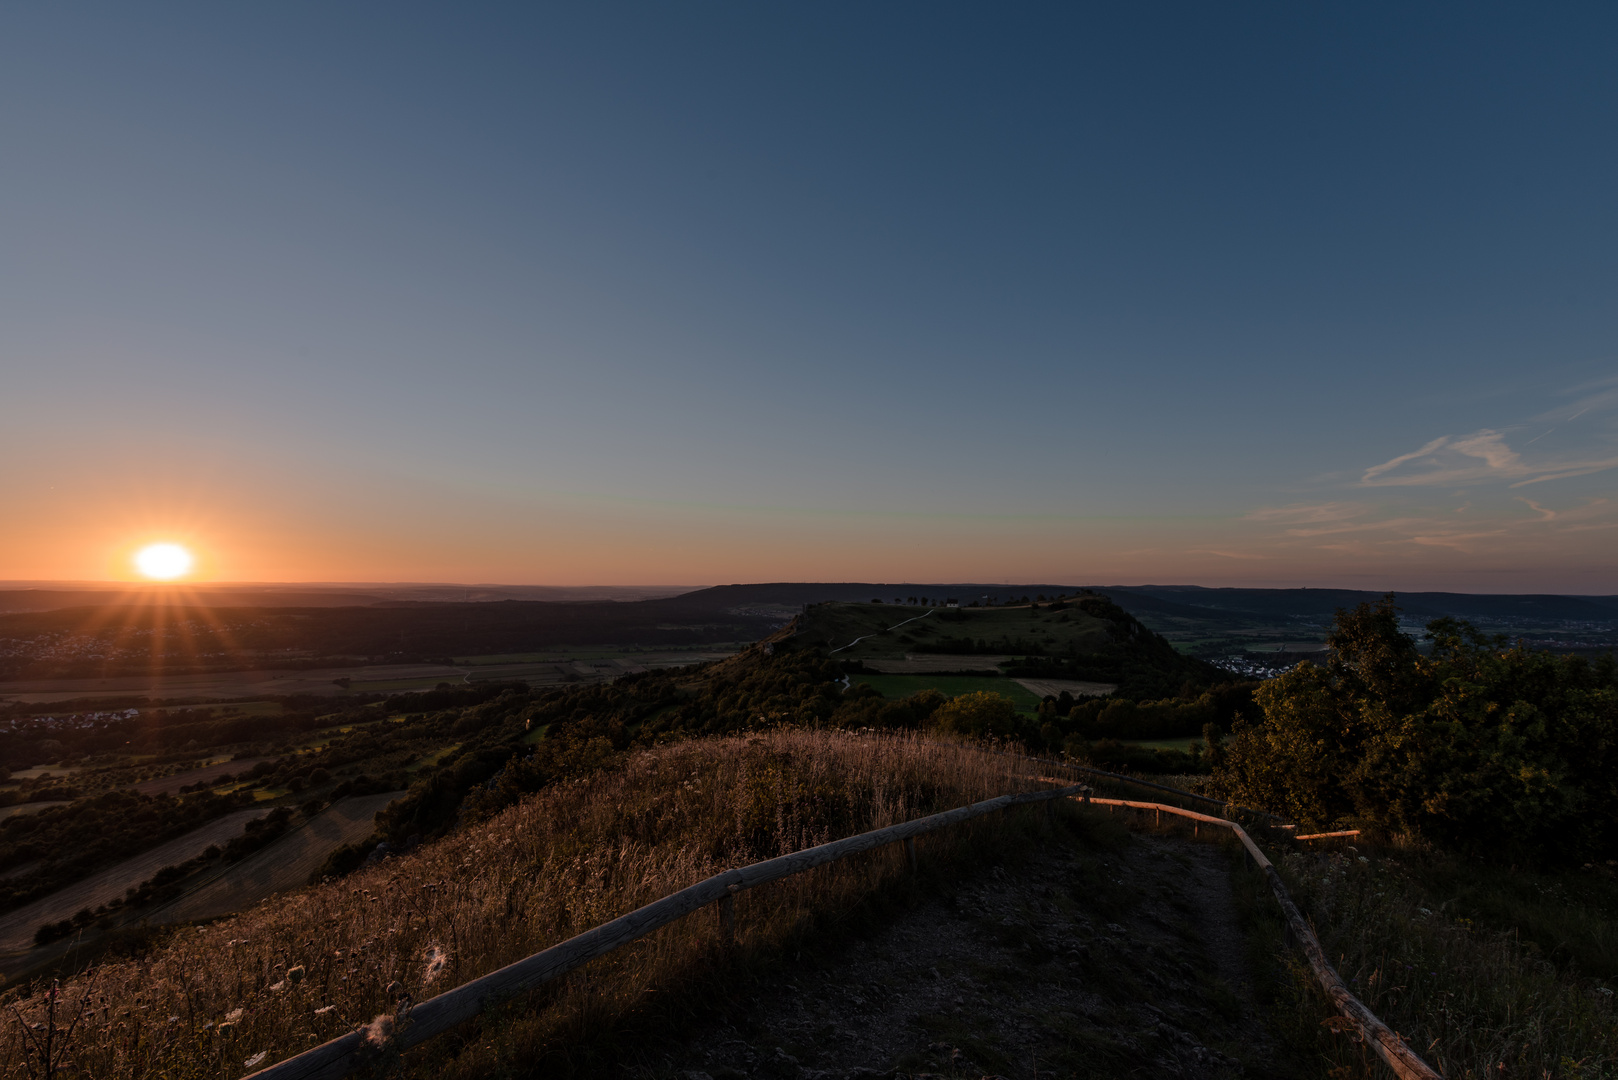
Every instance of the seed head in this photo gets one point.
(437, 960)
(379, 1031)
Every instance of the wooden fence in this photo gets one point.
(436, 1015)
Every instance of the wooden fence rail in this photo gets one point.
(1389, 1046)
(344, 1054)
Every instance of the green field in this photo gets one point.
(899, 686)
(875, 631)
(1182, 743)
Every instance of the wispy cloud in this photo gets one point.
(1448, 461)
(1308, 514)
(1453, 502)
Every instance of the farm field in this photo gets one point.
(1185, 742)
(40, 770)
(17, 927)
(282, 866)
(29, 808)
(170, 784)
(585, 664)
(224, 684)
(557, 666)
(898, 686)
(1043, 688)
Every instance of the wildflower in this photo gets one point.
(1606, 991)
(233, 1015)
(277, 987)
(295, 975)
(256, 1058)
(324, 1009)
(1425, 911)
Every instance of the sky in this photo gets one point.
(1237, 294)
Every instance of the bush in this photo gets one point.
(978, 714)
(342, 862)
(1476, 747)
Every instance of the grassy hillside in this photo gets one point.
(286, 975)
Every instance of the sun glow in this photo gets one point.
(164, 562)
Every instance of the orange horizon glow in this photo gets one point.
(272, 538)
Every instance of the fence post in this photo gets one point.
(910, 850)
(727, 916)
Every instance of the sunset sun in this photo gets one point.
(163, 562)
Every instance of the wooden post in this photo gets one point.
(910, 850)
(727, 916)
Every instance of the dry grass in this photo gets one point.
(296, 971)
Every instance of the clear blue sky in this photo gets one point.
(687, 293)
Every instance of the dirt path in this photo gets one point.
(1115, 960)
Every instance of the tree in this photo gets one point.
(1477, 746)
(978, 714)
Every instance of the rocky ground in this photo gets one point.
(1111, 957)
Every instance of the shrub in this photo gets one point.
(1478, 746)
(978, 714)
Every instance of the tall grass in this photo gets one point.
(223, 999)
(1475, 1000)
